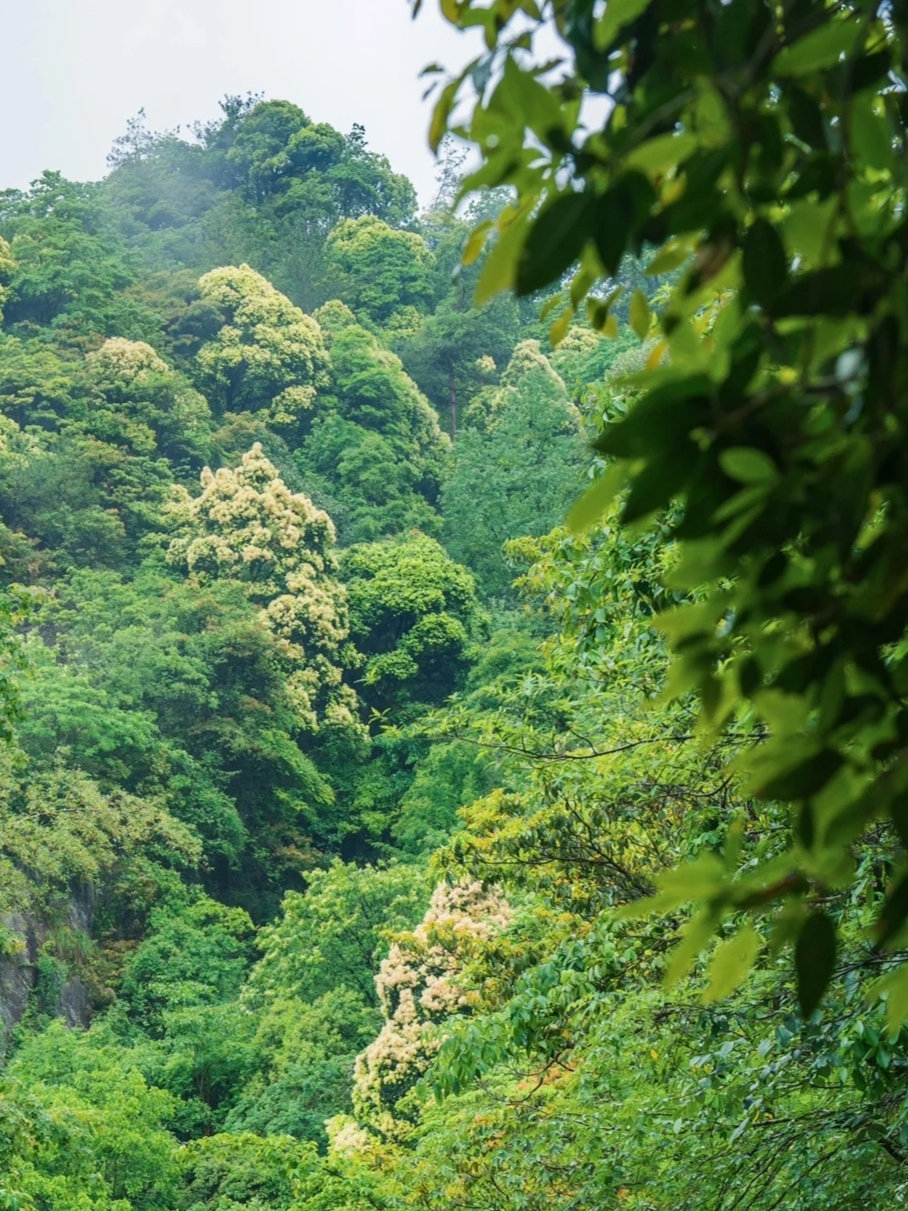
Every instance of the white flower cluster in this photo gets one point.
(269, 356)
(126, 361)
(419, 986)
(247, 525)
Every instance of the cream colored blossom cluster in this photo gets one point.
(419, 985)
(269, 356)
(124, 360)
(19, 449)
(248, 526)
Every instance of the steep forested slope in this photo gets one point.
(222, 497)
(334, 752)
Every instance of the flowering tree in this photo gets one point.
(152, 404)
(268, 356)
(248, 526)
(380, 271)
(419, 985)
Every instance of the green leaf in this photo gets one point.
(599, 315)
(764, 262)
(618, 13)
(439, 125)
(701, 877)
(806, 117)
(672, 410)
(501, 264)
(894, 986)
(731, 963)
(597, 498)
(558, 329)
(694, 937)
(611, 230)
(804, 779)
(669, 258)
(748, 466)
(476, 241)
(815, 954)
(894, 912)
(657, 156)
(871, 136)
(620, 211)
(817, 50)
(535, 104)
(554, 242)
(639, 314)
(657, 483)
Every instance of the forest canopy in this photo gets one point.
(452, 661)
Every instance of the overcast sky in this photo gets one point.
(74, 71)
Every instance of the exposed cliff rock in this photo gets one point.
(33, 975)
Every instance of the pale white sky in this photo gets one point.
(75, 70)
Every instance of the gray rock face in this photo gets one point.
(17, 975)
(19, 966)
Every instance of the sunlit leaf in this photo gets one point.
(731, 963)
(639, 314)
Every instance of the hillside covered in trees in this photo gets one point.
(352, 805)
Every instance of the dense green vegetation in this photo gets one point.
(370, 839)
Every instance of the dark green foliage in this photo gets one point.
(224, 1172)
(456, 351)
(194, 956)
(181, 988)
(69, 271)
(180, 694)
(412, 610)
(375, 454)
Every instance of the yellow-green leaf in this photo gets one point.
(894, 986)
(748, 465)
(731, 964)
(597, 498)
(701, 877)
(559, 328)
(639, 314)
(656, 156)
(500, 268)
(440, 114)
(694, 937)
(476, 242)
(817, 50)
(669, 258)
